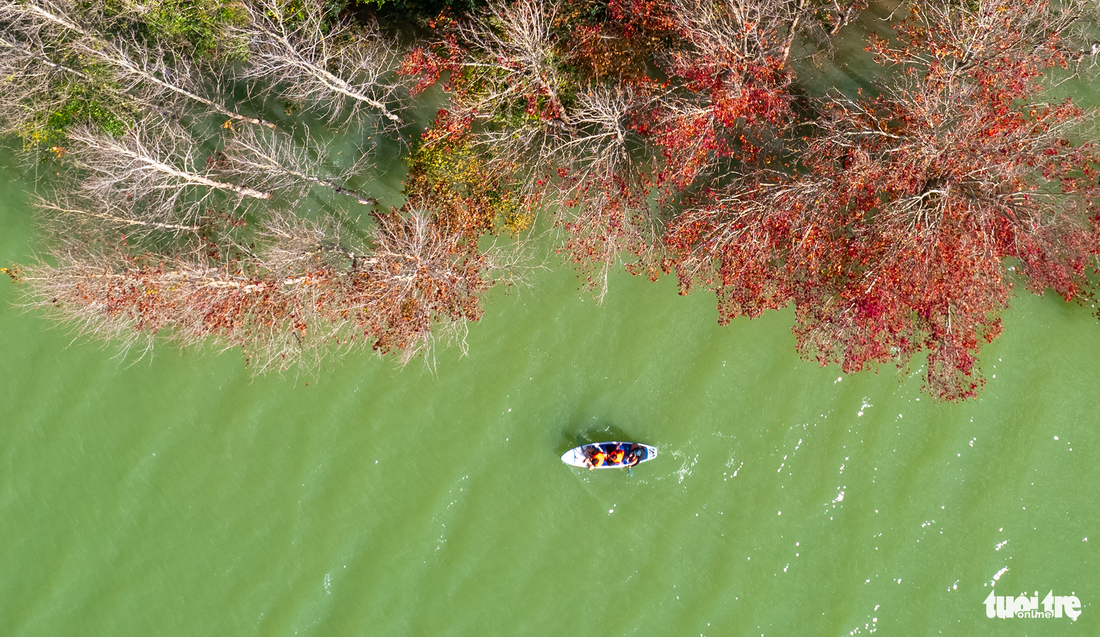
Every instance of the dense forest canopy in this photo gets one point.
(674, 137)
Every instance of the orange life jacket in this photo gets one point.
(599, 459)
(617, 456)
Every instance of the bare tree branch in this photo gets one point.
(157, 165)
(28, 84)
(334, 67)
(154, 76)
(272, 161)
(66, 214)
(286, 303)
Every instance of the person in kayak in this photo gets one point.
(635, 457)
(617, 453)
(597, 459)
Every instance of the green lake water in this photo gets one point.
(177, 495)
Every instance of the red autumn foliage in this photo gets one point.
(427, 66)
(625, 107)
(901, 234)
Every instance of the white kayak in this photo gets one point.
(582, 456)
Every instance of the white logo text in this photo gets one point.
(1006, 606)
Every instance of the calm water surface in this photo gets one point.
(179, 496)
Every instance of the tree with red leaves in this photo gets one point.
(916, 205)
(611, 112)
(544, 135)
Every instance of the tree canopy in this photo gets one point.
(675, 137)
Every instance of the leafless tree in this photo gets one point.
(745, 30)
(46, 20)
(603, 201)
(157, 167)
(332, 66)
(304, 291)
(274, 161)
(159, 78)
(602, 133)
(510, 62)
(133, 252)
(502, 59)
(28, 84)
(68, 214)
(49, 33)
(597, 141)
(976, 33)
(411, 285)
(513, 56)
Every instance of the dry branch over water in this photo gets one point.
(299, 293)
(343, 71)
